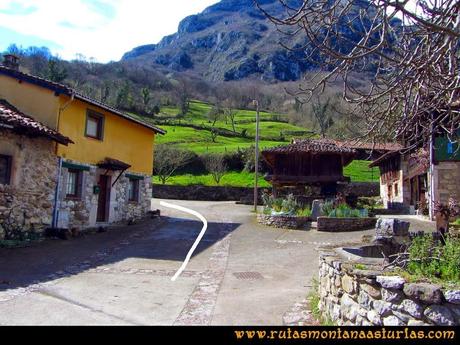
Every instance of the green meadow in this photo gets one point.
(273, 131)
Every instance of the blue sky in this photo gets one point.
(100, 29)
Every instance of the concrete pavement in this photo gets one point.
(241, 274)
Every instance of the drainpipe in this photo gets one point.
(64, 107)
(56, 195)
(56, 203)
(432, 181)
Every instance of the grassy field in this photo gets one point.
(200, 142)
(234, 179)
(358, 171)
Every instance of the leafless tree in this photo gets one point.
(215, 114)
(183, 95)
(214, 134)
(216, 166)
(409, 49)
(167, 160)
(322, 112)
(230, 112)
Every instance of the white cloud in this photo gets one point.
(90, 28)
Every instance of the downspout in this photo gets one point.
(64, 107)
(58, 182)
(56, 196)
(432, 186)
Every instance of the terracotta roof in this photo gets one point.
(384, 158)
(63, 89)
(11, 118)
(358, 145)
(316, 146)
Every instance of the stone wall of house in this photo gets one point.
(77, 213)
(81, 213)
(30, 196)
(350, 296)
(330, 224)
(133, 210)
(284, 222)
(448, 181)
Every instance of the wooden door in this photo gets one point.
(104, 199)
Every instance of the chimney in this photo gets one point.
(11, 61)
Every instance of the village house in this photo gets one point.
(414, 180)
(27, 171)
(103, 176)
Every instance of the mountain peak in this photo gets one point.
(229, 40)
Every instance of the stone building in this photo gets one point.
(105, 175)
(414, 180)
(27, 171)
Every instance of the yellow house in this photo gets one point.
(105, 175)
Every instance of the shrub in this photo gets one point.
(289, 204)
(328, 207)
(216, 166)
(431, 258)
(342, 210)
(304, 212)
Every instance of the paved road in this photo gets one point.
(242, 273)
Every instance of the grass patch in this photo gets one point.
(359, 171)
(313, 301)
(232, 179)
(361, 267)
(432, 259)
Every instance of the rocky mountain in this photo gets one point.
(230, 40)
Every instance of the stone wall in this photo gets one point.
(284, 222)
(350, 296)
(30, 195)
(363, 189)
(448, 181)
(203, 193)
(81, 212)
(224, 193)
(330, 224)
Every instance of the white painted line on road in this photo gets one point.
(198, 239)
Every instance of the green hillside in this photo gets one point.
(200, 140)
(274, 131)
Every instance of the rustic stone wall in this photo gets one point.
(203, 193)
(81, 213)
(30, 195)
(283, 222)
(133, 210)
(349, 296)
(363, 189)
(225, 193)
(330, 224)
(76, 213)
(448, 184)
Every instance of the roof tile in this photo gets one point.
(13, 119)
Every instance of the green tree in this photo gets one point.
(146, 97)
(124, 99)
(56, 72)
